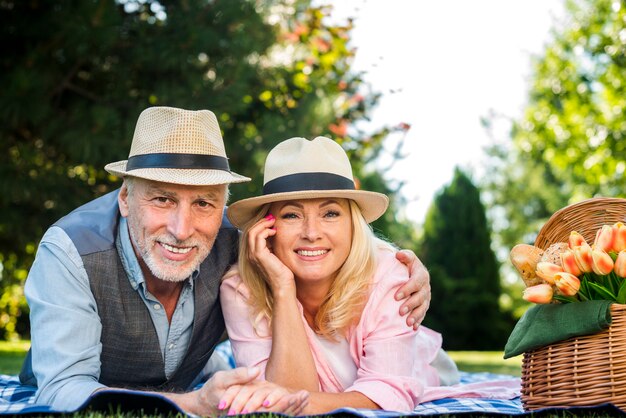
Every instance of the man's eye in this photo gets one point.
(204, 204)
(161, 199)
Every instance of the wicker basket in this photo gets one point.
(588, 370)
(585, 217)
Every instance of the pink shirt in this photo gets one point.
(392, 359)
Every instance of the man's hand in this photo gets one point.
(416, 291)
(238, 392)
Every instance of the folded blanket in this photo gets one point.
(18, 400)
(546, 324)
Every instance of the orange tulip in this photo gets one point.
(541, 293)
(620, 264)
(567, 283)
(583, 257)
(619, 230)
(602, 262)
(568, 261)
(547, 270)
(576, 240)
(605, 239)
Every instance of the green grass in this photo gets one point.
(487, 361)
(12, 355)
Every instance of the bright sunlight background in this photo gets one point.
(442, 66)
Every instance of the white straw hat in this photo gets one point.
(177, 146)
(301, 169)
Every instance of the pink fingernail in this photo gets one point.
(244, 412)
(269, 217)
(221, 405)
(266, 403)
(231, 412)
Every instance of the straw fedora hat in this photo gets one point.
(177, 146)
(301, 169)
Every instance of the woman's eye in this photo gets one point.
(331, 214)
(289, 216)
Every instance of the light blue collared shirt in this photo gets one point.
(66, 328)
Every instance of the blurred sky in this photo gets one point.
(441, 66)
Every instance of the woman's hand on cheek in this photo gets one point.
(260, 253)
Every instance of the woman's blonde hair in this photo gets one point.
(349, 291)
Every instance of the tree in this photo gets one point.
(570, 143)
(76, 75)
(465, 280)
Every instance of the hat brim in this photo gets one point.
(188, 177)
(372, 204)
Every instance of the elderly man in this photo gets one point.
(123, 292)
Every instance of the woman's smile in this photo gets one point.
(312, 253)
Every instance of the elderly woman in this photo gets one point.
(311, 301)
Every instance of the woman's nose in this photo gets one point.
(311, 229)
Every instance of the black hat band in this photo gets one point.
(307, 181)
(180, 161)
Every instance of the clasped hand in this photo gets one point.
(238, 391)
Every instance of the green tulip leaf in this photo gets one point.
(602, 292)
(621, 295)
(565, 299)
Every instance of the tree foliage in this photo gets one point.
(570, 144)
(465, 277)
(76, 75)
